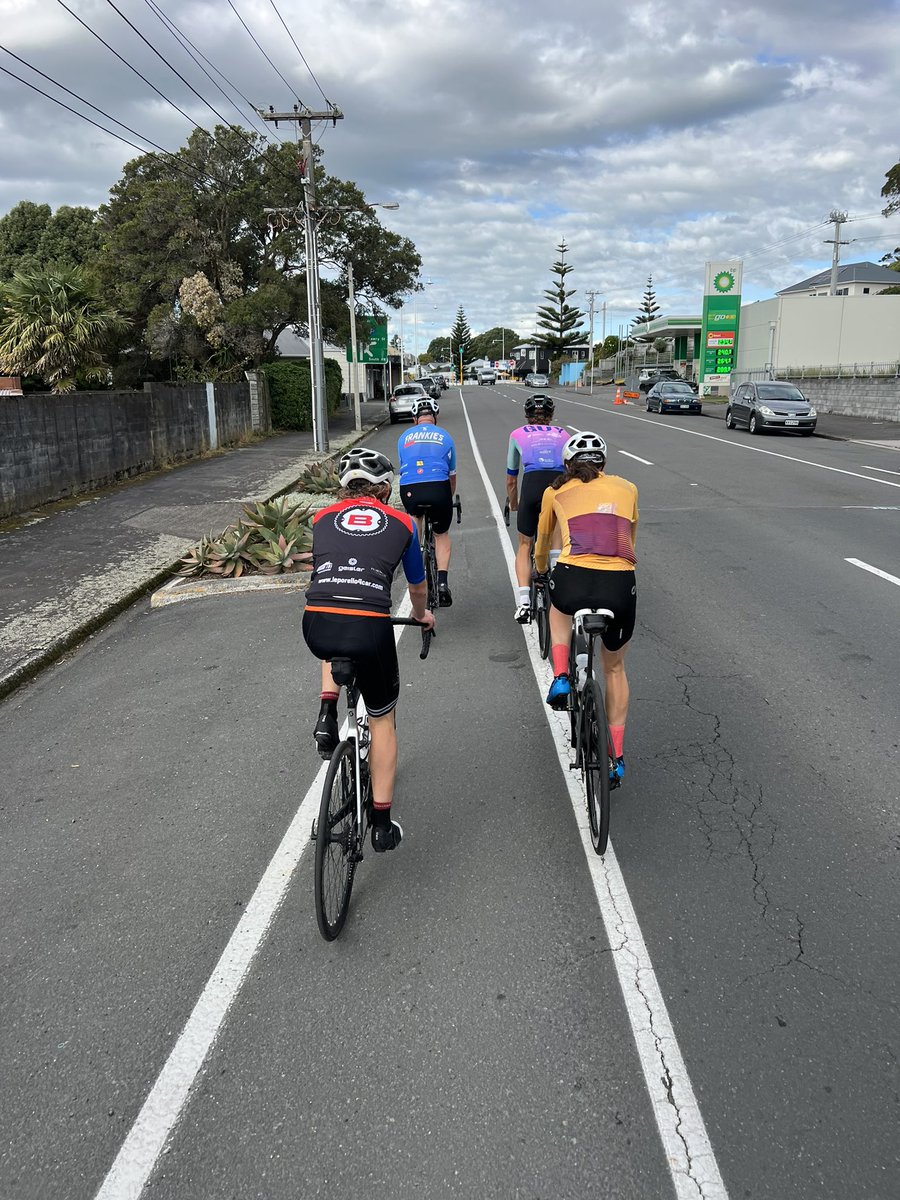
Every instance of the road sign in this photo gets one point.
(371, 343)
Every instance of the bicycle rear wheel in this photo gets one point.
(541, 609)
(431, 584)
(337, 842)
(595, 750)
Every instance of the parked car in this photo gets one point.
(536, 381)
(485, 376)
(432, 386)
(771, 404)
(401, 400)
(673, 396)
(650, 376)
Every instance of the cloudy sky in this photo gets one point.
(651, 136)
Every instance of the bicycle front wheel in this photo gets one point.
(541, 610)
(595, 753)
(337, 842)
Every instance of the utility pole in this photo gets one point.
(354, 365)
(304, 118)
(592, 297)
(838, 218)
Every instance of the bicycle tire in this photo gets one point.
(543, 620)
(431, 587)
(595, 763)
(337, 842)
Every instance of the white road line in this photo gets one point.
(867, 467)
(856, 562)
(645, 461)
(133, 1165)
(688, 1151)
(736, 445)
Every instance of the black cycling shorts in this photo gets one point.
(573, 587)
(436, 495)
(369, 641)
(534, 484)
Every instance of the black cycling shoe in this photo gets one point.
(326, 734)
(387, 837)
(444, 597)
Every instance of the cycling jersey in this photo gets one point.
(537, 448)
(427, 454)
(596, 520)
(357, 546)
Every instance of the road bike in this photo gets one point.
(589, 728)
(540, 607)
(345, 810)
(429, 557)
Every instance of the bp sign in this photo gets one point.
(371, 342)
(721, 319)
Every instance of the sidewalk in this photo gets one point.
(836, 427)
(68, 568)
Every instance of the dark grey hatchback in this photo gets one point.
(772, 404)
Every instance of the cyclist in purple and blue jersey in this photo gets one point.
(428, 477)
(537, 448)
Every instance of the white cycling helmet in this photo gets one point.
(361, 463)
(425, 402)
(588, 446)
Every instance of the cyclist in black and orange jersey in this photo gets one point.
(597, 515)
(358, 543)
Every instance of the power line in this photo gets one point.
(190, 48)
(262, 52)
(300, 52)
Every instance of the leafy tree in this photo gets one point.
(21, 231)
(608, 348)
(558, 320)
(203, 212)
(461, 338)
(649, 309)
(52, 325)
(494, 343)
(891, 190)
(32, 237)
(438, 349)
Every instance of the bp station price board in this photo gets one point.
(721, 320)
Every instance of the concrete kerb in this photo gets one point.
(55, 649)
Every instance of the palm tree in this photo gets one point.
(52, 326)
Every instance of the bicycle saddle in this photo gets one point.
(343, 671)
(596, 621)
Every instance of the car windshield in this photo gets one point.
(410, 389)
(780, 391)
(675, 387)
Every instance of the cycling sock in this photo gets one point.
(442, 577)
(329, 697)
(617, 733)
(524, 596)
(381, 816)
(560, 657)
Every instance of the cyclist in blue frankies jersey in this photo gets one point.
(428, 476)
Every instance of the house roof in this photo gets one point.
(861, 272)
(291, 345)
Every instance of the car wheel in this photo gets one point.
(729, 419)
(754, 425)
(649, 409)
(394, 419)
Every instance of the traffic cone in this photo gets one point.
(618, 399)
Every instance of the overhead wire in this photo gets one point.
(300, 52)
(252, 35)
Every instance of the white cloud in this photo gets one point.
(651, 138)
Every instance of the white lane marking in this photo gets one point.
(689, 1154)
(645, 461)
(133, 1165)
(874, 507)
(867, 467)
(856, 562)
(711, 437)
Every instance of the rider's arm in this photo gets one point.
(451, 464)
(513, 458)
(546, 524)
(414, 570)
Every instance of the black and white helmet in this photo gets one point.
(590, 447)
(540, 403)
(362, 463)
(425, 404)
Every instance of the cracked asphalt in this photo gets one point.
(467, 1035)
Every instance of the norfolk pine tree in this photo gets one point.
(558, 321)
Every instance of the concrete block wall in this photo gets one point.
(856, 397)
(52, 447)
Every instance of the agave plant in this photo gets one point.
(282, 553)
(320, 478)
(274, 515)
(230, 554)
(198, 558)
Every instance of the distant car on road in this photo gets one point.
(432, 386)
(537, 381)
(402, 399)
(771, 404)
(673, 396)
(485, 376)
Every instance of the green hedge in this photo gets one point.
(290, 389)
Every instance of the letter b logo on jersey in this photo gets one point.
(362, 522)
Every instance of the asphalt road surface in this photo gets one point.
(711, 1011)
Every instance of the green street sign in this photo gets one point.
(371, 342)
(721, 320)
